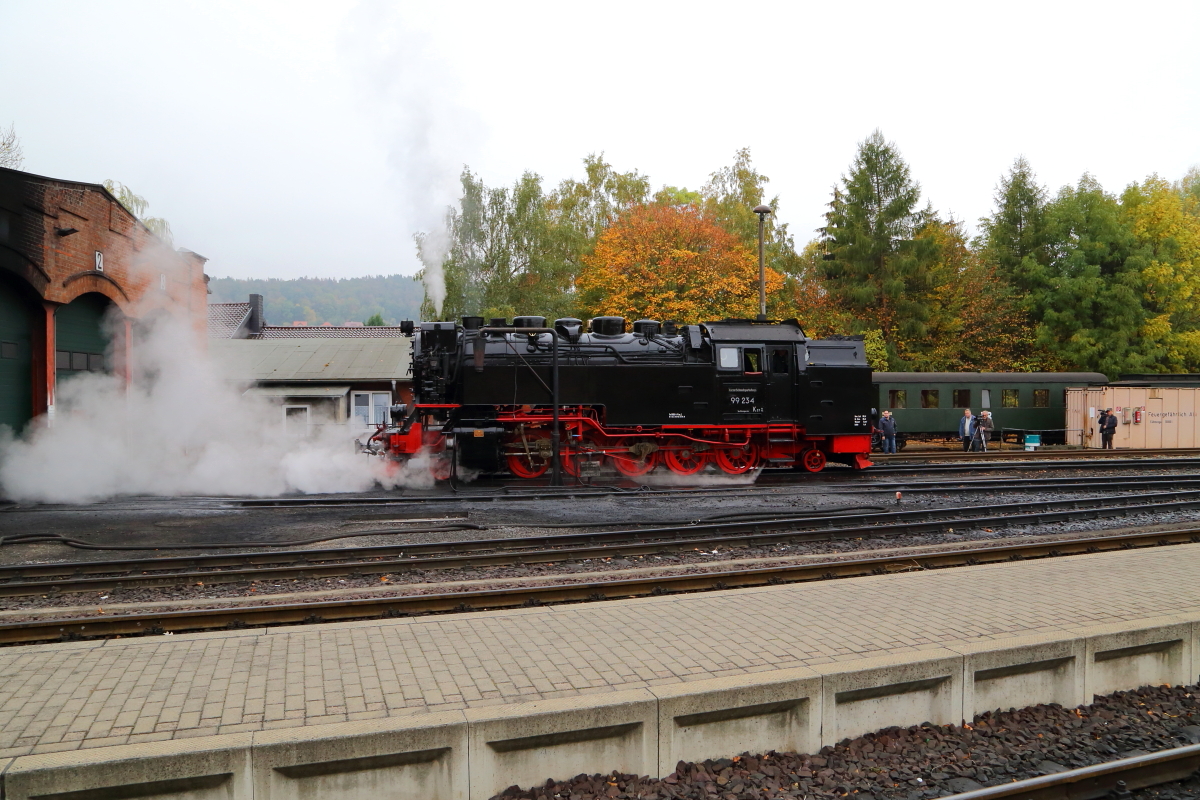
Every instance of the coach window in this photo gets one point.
(985, 398)
(1041, 398)
(779, 362)
(897, 398)
(962, 398)
(929, 398)
(727, 358)
(753, 361)
(1011, 398)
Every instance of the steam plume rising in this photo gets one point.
(178, 430)
(429, 135)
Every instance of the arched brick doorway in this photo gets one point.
(82, 339)
(19, 313)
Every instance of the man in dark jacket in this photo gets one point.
(1108, 427)
(887, 429)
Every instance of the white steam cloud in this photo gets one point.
(429, 135)
(179, 429)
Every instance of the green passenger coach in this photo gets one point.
(928, 405)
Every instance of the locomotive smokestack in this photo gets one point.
(762, 212)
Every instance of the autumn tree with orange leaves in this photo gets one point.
(670, 262)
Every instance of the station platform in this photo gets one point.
(465, 705)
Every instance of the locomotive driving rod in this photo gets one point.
(555, 466)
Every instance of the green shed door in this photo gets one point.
(16, 358)
(79, 339)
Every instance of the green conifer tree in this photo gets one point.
(877, 268)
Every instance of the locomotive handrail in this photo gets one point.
(555, 466)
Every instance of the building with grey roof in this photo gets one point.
(321, 376)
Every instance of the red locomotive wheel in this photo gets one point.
(813, 460)
(573, 455)
(632, 464)
(441, 469)
(737, 460)
(685, 460)
(526, 457)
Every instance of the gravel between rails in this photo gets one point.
(925, 761)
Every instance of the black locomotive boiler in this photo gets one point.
(735, 394)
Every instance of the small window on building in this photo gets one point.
(1041, 398)
(727, 357)
(897, 398)
(295, 420)
(371, 408)
(1010, 398)
(985, 398)
(929, 398)
(62, 359)
(779, 362)
(79, 361)
(8, 349)
(362, 408)
(962, 398)
(753, 359)
(95, 362)
(381, 403)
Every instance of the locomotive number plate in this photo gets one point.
(743, 400)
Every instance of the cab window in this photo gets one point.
(727, 357)
(779, 362)
(752, 358)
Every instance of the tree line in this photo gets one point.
(1079, 279)
(372, 300)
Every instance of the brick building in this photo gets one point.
(70, 253)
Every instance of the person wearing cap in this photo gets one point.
(984, 425)
(1108, 427)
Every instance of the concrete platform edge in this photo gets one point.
(478, 752)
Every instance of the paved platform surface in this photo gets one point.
(81, 695)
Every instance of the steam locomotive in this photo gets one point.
(735, 394)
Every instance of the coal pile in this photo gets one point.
(922, 761)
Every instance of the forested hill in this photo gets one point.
(334, 300)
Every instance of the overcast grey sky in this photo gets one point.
(283, 139)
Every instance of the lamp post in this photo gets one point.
(762, 212)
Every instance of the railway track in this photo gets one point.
(48, 628)
(1033, 455)
(741, 530)
(529, 490)
(1114, 779)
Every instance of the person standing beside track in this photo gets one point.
(984, 425)
(1108, 427)
(966, 427)
(887, 429)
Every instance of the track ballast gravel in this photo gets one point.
(926, 761)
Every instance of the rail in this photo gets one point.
(1113, 779)
(48, 627)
